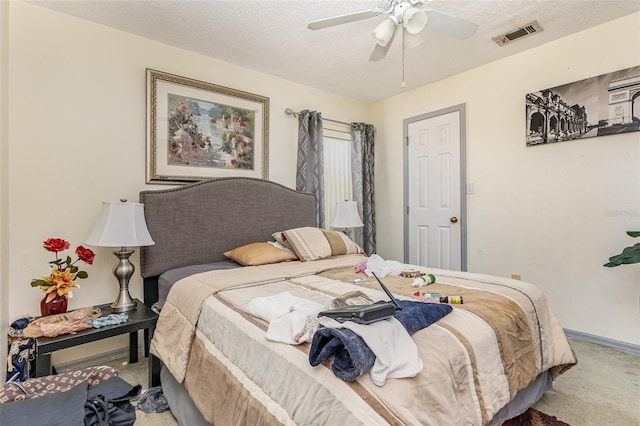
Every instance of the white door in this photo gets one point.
(433, 189)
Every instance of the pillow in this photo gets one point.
(315, 243)
(282, 247)
(279, 237)
(259, 254)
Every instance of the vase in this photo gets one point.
(57, 305)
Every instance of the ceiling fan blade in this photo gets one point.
(379, 51)
(448, 24)
(344, 19)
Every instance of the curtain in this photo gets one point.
(310, 169)
(362, 161)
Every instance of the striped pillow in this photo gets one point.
(315, 243)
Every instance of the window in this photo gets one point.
(337, 170)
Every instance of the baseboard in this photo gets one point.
(97, 359)
(615, 344)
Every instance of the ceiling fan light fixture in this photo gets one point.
(414, 20)
(384, 31)
(411, 40)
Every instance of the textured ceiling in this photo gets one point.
(272, 36)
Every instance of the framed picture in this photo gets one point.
(608, 104)
(198, 130)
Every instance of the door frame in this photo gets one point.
(463, 177)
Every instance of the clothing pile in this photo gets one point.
(21, 351)
(92, 396)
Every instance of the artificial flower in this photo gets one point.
(64, 272)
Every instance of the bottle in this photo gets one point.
(454, 300)
(424, 280)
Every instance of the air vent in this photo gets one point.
(518, 33)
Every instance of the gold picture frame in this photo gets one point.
(198, 130)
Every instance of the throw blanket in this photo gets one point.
(352, 356)
(479, 356)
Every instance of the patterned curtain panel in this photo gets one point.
(362, 160)
(310, 170)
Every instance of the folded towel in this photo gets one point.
(270, 307)
(292, 320)
(352, 356)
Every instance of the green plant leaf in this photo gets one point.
(36, 283)
(633, 234)
(82, 274)
(628, 256)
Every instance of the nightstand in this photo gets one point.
(142, 318)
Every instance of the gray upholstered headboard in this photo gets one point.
(197, 223)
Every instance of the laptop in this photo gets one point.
(365, 314)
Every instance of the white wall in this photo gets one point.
(4, 173)
(543, 212)
(77, 136)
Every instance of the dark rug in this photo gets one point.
(533, 417)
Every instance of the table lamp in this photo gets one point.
(346, 216)
(121, 225)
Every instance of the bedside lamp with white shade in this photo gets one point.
(121, 225)
(346, 216)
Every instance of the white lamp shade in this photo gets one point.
(384, 31)
(411, 40)
(414, 20)
(347, 215)
(120, 225)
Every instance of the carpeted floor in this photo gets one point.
(602, 389)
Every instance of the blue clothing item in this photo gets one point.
(415, 316)
(108, 320)
(21, 351)
(352, 356)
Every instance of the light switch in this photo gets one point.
(471, 188)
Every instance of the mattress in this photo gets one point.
(172, 276)
(489, 351)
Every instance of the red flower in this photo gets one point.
(56, 244)
(85, 254)
(64, 271)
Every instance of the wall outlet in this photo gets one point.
(516, 277)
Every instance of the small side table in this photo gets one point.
(142, 318)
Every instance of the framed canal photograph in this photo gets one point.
(198, 130)
(598, 106)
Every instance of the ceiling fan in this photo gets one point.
(402, 13)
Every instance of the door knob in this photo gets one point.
(454, 219)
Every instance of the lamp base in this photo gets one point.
(123, 272)
(124, 303)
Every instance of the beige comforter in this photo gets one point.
(475, 359)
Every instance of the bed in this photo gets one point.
(486, 361)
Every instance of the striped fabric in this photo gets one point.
(310, 243)
(476, 359)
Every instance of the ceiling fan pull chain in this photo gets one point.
(403, 83)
